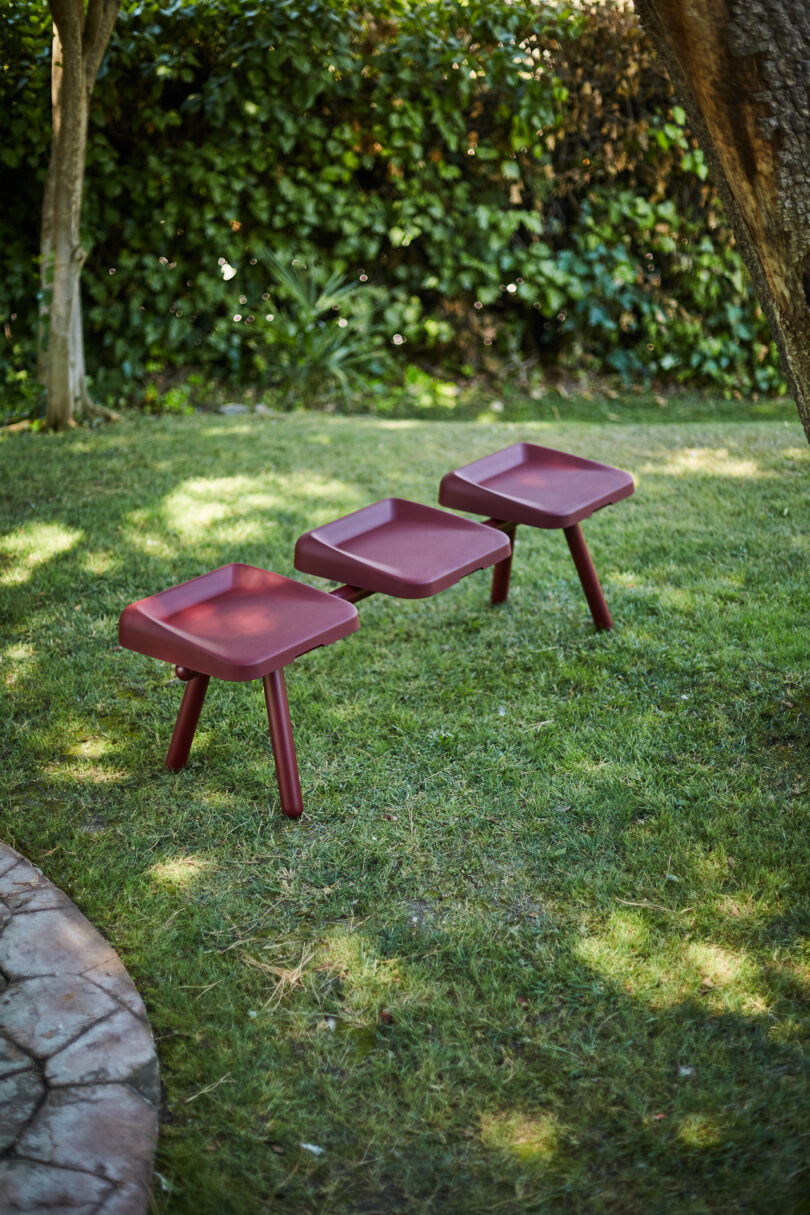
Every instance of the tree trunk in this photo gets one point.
(46, 233)
(79, 41)
(742, 68)
(62, 254)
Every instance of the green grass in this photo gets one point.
(431, 398)
(570, 868)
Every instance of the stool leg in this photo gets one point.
(187, 718)
(588, 578)
(501, 572)
(278, 715)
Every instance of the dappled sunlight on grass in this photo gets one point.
(726, 979)
(84, 773)
(701, 1130)
(797, 542)
(179, 873)
(630, 580)
(739, 906)
(233, 510)
(365, 975)
(18, 655)
(533, 1138)
(100, 563)
(668, 969)
(89, 748)
(539, 935)
(703, 461)
(694, 599)
(211, 502)
(406, 424)
(717, 967)
(223, 430)
(301, 487)
(30, 546)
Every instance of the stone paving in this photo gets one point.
(79, 1083)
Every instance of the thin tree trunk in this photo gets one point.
(46, 234)
(76, 370)
(64, 254)
(80, 39)
(742, 68)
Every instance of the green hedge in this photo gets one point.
(505, 180)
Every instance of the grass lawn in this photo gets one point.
(539, 943)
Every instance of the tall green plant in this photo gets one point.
(316, 342)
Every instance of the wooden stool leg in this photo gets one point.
(187, 718)
(588, 578)
(278, 715)
(502, 571)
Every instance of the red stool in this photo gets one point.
(398, 548)
(237, 623)
(544, 488)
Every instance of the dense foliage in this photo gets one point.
(505, 181)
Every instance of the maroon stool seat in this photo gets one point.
(399, 548)
(544, 488)
(237, 623)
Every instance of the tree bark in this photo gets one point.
(742, 68)
(79, 40)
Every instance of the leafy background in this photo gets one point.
(506, 182)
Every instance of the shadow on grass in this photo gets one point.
(567, 868)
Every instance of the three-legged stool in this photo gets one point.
(237, 623)
(544, 488)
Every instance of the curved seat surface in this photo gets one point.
(400, 548)
(538, 486)
(236, 623)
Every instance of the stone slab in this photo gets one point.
(61, 942)
(112, 977)
(20, 1094)
(19, 878)
(38, 1189)
(43, 1015)
(42, 897)
(8, 858)
(130, 1199)
(115, 1049)
(107, 1127)
(12, 1059)
(79, 1078)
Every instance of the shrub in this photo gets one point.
(503, 179)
